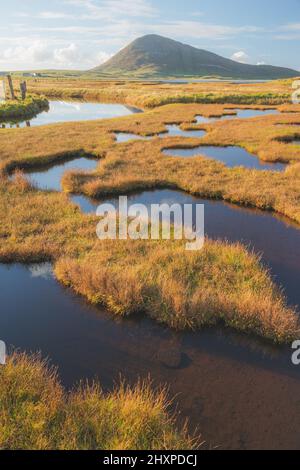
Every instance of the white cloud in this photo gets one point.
(53, 15)
(125, 29)
(67, 55)
(291, 27)
(287, 32)
(199, 30)
(240, 56)
(35, 53)
(109, 9)
(42, 54)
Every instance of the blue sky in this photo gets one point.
(80, 34)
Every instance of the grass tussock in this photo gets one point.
(37, 414)
(222, 282)
(26, 109)
(40, 226)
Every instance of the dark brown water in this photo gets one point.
(239, 392)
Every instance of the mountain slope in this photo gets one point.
(159, 56)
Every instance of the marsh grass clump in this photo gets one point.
(21, 182)
(27, 109)
(39, 226)
(221, 283)
(36, 413)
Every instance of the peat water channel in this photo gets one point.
(232, 156)
(49, 177)
(238, 391)
(240, 114)
(174, 130)
(275, 238)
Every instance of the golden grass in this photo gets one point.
(37, 414)
(27, 109)
(221, 282)
(39, 226)
(262, 135)
(160, 278)
(184, 290)
(149, 94)
(140, 164)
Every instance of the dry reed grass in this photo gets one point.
(37, 414)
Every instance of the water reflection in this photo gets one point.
(49, 177)
(239, 114)
(276, 238)
(68, 111)
(171, 131)
(217, 376)
(176, 131)
(231, 156)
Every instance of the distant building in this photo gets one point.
(31, 74)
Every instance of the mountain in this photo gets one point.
(154, 55)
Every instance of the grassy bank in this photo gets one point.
(149, 94)
(36, 413)
(184, 290)
(21, 110)
(202, 98)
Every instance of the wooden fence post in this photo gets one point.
(11, 87)
(23, 88)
